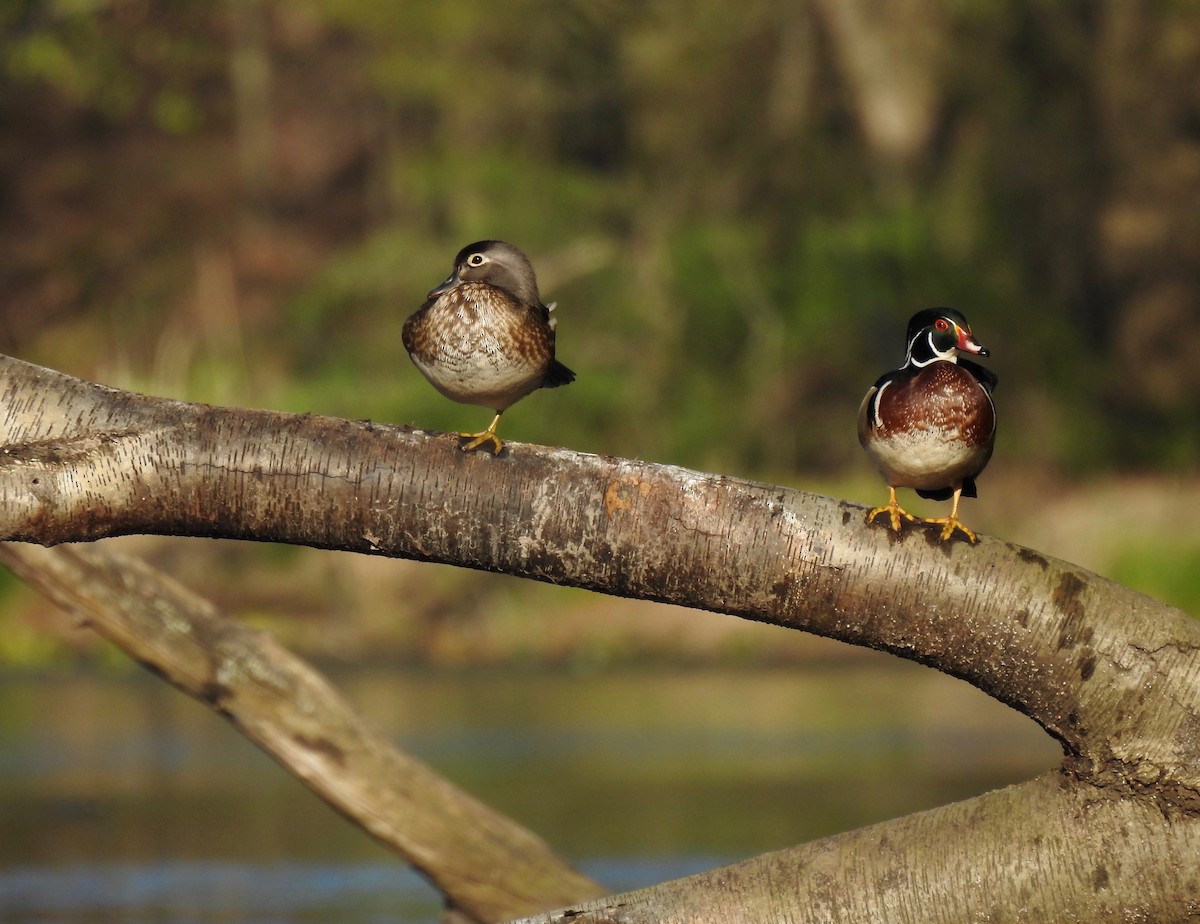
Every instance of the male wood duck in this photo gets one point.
(484, 337)
(931, 425)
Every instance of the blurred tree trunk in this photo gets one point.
(890, 53)
(1113, 676)
(1146, 77)
(250, 76)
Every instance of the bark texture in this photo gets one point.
(1044, 851)
(1113, 675)
(487, 866)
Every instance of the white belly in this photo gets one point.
(483, 377)
(923, 459)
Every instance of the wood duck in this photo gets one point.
(484, 337)
(931, 425)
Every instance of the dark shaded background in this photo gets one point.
(736, 206)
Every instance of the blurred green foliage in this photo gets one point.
(736, 207)
(1166, 569)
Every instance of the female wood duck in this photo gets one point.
(931, 425)
(484, 337)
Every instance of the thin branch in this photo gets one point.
(485, 864)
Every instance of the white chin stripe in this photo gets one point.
(950, 355)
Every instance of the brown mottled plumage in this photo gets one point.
(484, 337)
(930, 425)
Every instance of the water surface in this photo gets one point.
(123, 800)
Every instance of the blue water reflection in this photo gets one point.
(215, 892)
(123, 800)
(218, 893)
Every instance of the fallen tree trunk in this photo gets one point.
(1047, 850)
(1109, 673)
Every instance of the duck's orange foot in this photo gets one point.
(950, 525)
(895, 513)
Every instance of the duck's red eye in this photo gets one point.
(941, 324)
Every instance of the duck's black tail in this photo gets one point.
(558, 375)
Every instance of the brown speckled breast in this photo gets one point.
(477, 345)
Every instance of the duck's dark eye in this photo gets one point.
(476, 259)
(941, 324)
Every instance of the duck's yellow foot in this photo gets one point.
(949, 525)
(894, 511)
(476, 441)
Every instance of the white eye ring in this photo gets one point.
(476, 259)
